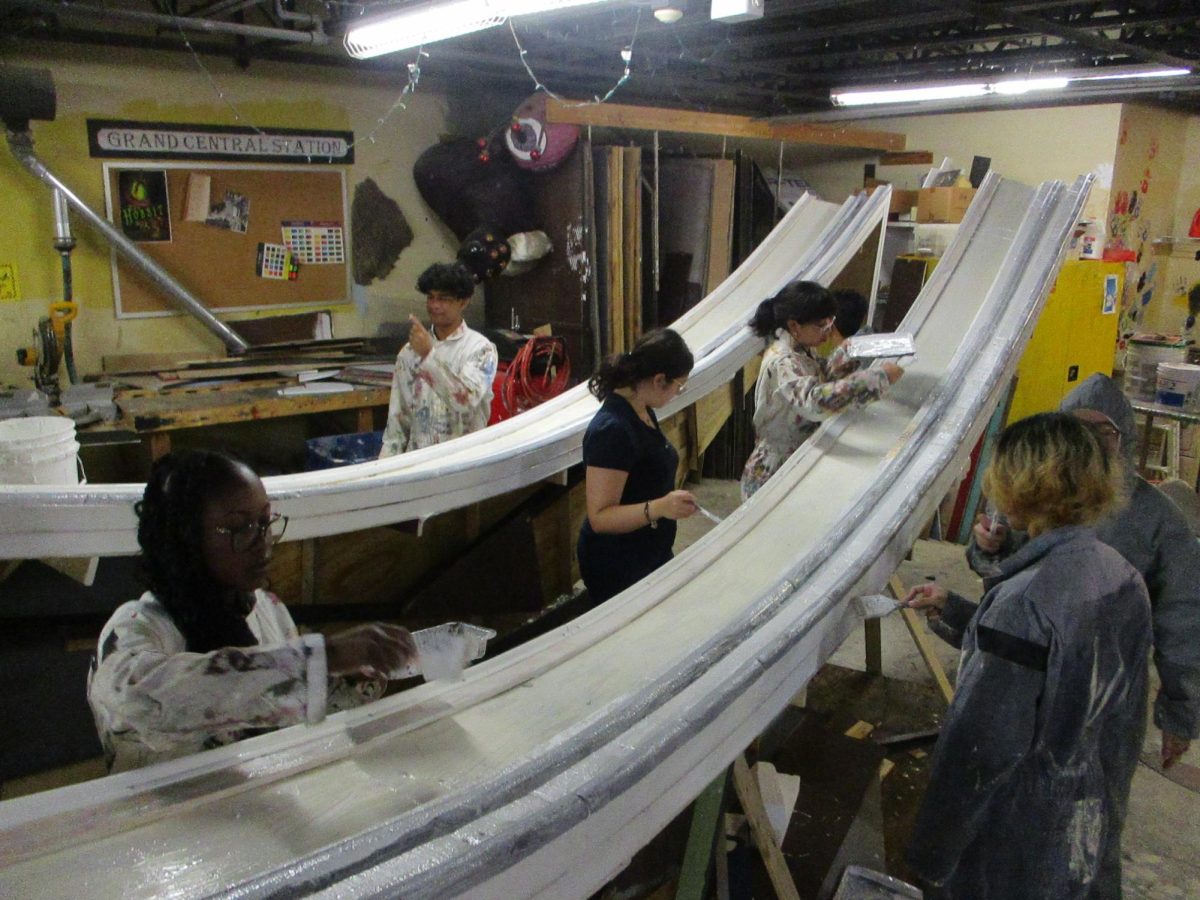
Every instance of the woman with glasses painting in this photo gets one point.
(797, 389)
(630, 466)
(207, 656)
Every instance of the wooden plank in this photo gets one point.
(631, 239)
(763, 834)
(859, 730)
(615, 261)
(913, 620)
(712, 411)
(147, 414)
(703, 837)
(720, 224)
(686, 121)
(911, 158)
(873, 646)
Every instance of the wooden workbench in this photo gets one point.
(153, 415)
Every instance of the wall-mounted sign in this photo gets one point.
(114, 138)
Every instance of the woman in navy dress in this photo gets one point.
(630, 466)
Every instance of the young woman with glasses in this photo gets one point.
(207, 656)
(796, 388)
(630, 466)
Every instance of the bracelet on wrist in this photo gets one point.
(653, 523)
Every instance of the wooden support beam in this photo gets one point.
(873, 644)
(763, 834)
(705, 835)
(649, 118)
(911, 158)
(921, 639)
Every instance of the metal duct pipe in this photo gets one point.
(209, 26)
(21, 144)
(63, 239)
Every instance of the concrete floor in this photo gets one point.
(1161, 843)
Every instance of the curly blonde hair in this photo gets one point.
(1050, 470)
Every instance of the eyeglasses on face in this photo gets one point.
(243, 537)
(680, 384)
(1104, 429)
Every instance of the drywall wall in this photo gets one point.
(1029, 145)
(1146, 180)
(172, 88)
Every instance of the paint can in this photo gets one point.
(1178, 384)
(38, 450)
(1142, 359)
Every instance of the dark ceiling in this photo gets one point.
(783, 64)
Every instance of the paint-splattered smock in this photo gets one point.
(795, 392)
(153, 700)
(445, 395)
(1033, 767)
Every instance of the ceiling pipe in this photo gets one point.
(208, 26)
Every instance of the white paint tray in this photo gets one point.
(445, 650)
(881, 346)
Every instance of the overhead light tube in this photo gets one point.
(438, 20)
(868, 96)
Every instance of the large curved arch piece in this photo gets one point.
(813, 241)
(542, 771)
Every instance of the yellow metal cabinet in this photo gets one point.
(1075, 336)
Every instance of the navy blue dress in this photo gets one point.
(618, 439)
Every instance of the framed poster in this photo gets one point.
(143, 205)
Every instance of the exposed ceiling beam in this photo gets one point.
(1081, 36)
(641, 118)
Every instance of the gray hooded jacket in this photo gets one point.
(1033, 767)
(1151, 533)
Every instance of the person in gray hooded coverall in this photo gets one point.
(1033, 767)
(1152, 534)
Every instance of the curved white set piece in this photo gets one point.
(546, 768)
(814, 241)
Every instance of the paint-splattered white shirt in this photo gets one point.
(153, 700)
(444, 395)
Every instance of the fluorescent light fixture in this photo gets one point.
(1024, 86)
(436, 20)
(1146, 73)
(869, 96)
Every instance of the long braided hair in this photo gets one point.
(170, 532)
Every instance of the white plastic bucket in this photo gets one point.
(1178, 384)
(38, 450)
(1141, 366)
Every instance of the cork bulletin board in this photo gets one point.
(205, 224)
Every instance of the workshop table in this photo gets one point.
(154, 415)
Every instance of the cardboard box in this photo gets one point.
(944, 204)
(903, 201)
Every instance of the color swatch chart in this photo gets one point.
(273, 261)
(315, 243)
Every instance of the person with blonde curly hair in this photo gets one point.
(1153, 535)
(1030, 780)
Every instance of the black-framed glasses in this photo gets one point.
(246, 536)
